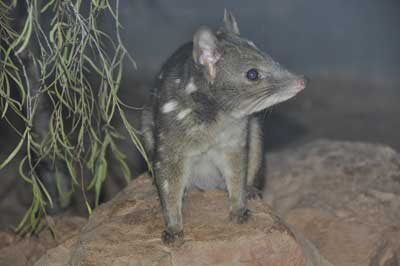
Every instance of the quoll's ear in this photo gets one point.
(230, 24)
(206, 51)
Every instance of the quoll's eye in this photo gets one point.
(252, 74)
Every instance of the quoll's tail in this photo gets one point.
(147, 129)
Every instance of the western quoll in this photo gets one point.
(202, 130)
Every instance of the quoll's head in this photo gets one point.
(243, 79)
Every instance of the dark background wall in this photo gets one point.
(355, 38)
(349, 49)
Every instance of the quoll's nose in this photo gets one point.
(302, 82)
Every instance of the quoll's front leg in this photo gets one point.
(234, 167)
(256, 162)
(171, 185)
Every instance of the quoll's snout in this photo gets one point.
(301, 82)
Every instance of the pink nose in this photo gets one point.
(301, 83)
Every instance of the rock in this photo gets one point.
(23, 252)
(344, 197)
(344, 243)
(126, 231)
(19, 251)
(340, 198)
(6, 239)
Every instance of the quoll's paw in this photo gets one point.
(240, 217)
(254, 193)
(171, 238)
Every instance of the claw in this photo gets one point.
(240, 217)
(171, 238)
(254, 193)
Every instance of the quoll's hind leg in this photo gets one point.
(171, 182)
(147, 130)
(256, 165)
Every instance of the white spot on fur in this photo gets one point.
(169, 106)
(252, 44)
(177, 81)
(160, 76)
(158, 165)
(165, 187)
(182, 114)
(190, 87)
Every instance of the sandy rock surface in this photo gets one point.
(126, 231)
(344, 197)
(337, 200)
(18, 251)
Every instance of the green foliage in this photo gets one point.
(66, 55)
